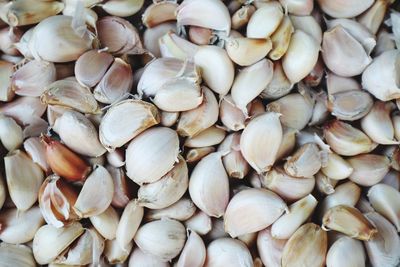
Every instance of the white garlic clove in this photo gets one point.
(171, 45)
(6, 70)
(309, 25)
(36, 150)
(336, 167)
(124, 8)
(384, 42)
(279, 85)
(346, 251)
(11, 135)
(344, 9)
(151, 37)
(106, 223)
(129, 223)
(368, 169)
(209, 137)
(350, 105)
(158, 13)
(247, 51)
(116, 158)
(168, 119)
(265, 20)
(231, 116)
(373, 17)
(228, 251)
(305, 162)
(269, 248)
(114, 253)
(181, 210)
(199, 223)
(193, 253)
(281, 39)
(140, 259)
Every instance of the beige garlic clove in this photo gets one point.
(383, 248)
(23, 177)
(306, 247)
(172, 45)
(350, 105)
(139, 259)
(346, 251)
(336, 167)
(193, 253)
(338, 84)
(158, 13)
(380, 78)
(49, 242)
(196, 154)
(11, 135)
(269, 248)
(209, 137)
(200, 223)
(344, 9)
(181, 210)
(124, 8)
(200, 35)
(158, 144)
(204, 13)
(288, 142)
(129, 223)
(324, 184)
(265, 20)
(281, 39)
(279, 85)
(373, 17)
(349, 221)
(168, 119)
(368, 169)
(252, 210)
(296, 63)
(151, 37)
(242, 16)
(164, 239)
(96, 193)
(384, 199)
(347, 140)
(115, 254)
(340, 46)
(228, 251)
(231, 116)
(235, 164)
(309, 25)
(217, 69)
(305, 162)
(298, 8)
(6, 70)
(106, 223)
(247, 51)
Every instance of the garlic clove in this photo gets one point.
(231, 116)
(8, 37)
(252, 210)
(346, 251)
(265, 20)
(344, 9)
(6, 71)
(384, 42)
(247, 51)
(158, 13)
(158, 144)
(228, 251)
(209, 137)
(217, 230)
(151, 37)
(122, 192)
(193, 253)
(269, 248)
(248, 239)
(106, 223)
(129, 223)
(54, 112)
(324, 184)
(373, 17)
(279, 85)
(91, 67)
(281, 39)
(368, 169)
(392, 178)
(288, 142)
(114, 253)
(336, 167)
(241, 17)
(309, 25)
(350, 105)
(181, 210)
(199, 223)
(171, 45)
(305, 162)
(11, 135)
(139, 259)
(16, 255)
(168, 119)
(299, 8)
(200, 35)
(124, 8)
(196, 154)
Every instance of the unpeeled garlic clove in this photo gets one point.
(306, 247)
(241, 17)
(281, 39)
(298, 8)
(350, 105)
(23, 178)
(349, 221)
(204, 13)
(11, 135)
(305, 162)
(172, 45)
(373, 17)
(114, 253)
(324, 184)
(252, 210)
(384, 199)
(347, 140)
(247, 51)
(151, 37)
(269, 248)
(158, 13)
(231, 116)
(209, 137)
(139, 259)
(129, 223)
(265, 20)
(164, 239)
(106, 223)
(124, 8)
(344, 9)
(235, 164)
(193, 253)
(6, 70)
(158, 144)
(196, 154)
(368, 169)
(228, 251)
(336, 167)
(346, 251)
(279, 85)
(16, 255)
(199, 223)
(181, 210)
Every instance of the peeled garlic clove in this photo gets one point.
(235, 164)
(350, 105)
(208, 137)
(199, 223)
(228, 251)
(172, 45)
(346, 251)
(279, 85)
(380, 78)
(264, 131)
(158, 13)
(16, 255)
(158, 144)
(338, 47)
(124, 8)
(11, 135)
(231, 116)
(114, 253)
(336, 167)
(193, 253)
(168, 119)
(194, 121)
(305, 162)
(299, 8)
(204, 13)
(349, 221)
(265, 20)
(247, 51)
(6, 70)
(200, 35)
(64, 162)
(324, 184)
(378, 125)
(252, 210)
(49, 242)
(181, 210)
(139, 259)
(346, 140)
(196, 154)
(269, 248)
(296, 63)
(216, 67)
(106, 223)
(24, 178)
(288, 142)
(281, 39)
(368, 169)
(374, 16)
(384, 199)
(164, 239)
(242, 16)
(344, 9)
(129, 223)
(32, 78)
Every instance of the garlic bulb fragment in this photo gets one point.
(346, 251)
(368, 169)
(344, 9)
(265, 20)
(228, 251)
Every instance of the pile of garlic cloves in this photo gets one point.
(200, 133)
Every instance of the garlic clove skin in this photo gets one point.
(106, 223)
(16, 255)
(265, 20)
(231, 116)
(336, 167)
(309, 25)
(181, 210)
(129, 223)
(373, 17)
(158, 144)
(247, 51)
(298, 8)
(344, 9)
(114, 253)
(368, 169)
(305, 162)
(279, 85)
(209, 137)
(383, 199)
(193, 253)
(247, 212)
(11, 135)
(269, 248)
(158, 13)
(346, 251)
(140, 259)
(124, 8)
(281, 39)
(199, 223)
(350, 105)
(228, 251)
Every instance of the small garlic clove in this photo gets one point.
(269, 248)
(194, 121)
(168, 119)
(124, 8)
(139, 259)
(122, 193)
(196, 154)
(6, 71)
(8, 37)
(368, 169)
(252, 210)
(324, 184)
(231, 116)
(106, 223)
(228, 251)
(383, 248)
(181, 210)
(264, 131)
(349, 221)
(116, 158)
(350, 105)
(347, 140)
(373, 17)
(158, 13)
(172, 45)
(298, 8)
(114, 253)
(163, 239)
(151, 37)
(11, 135)
(265, 20)
(309, 25)
(346, 251)
(204, 13)
(305, 162)
(279, 85)
(281, 39)
(301, 56)
(16, 255)
(344, 9)
(200, 35)
(384, 42)
(129, 223)
(306, 247)
(217, 69)
(158, 144)
(340, 46)
(288, 142)
(90, 203)
(338, 84)
(384, 199)
(209, 137)
(241, 17)
(247, 51)
(235, 164)
(199, 223)
(193, 253)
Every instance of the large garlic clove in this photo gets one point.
(209, 137)
(252, 210)
(151, 37)
(384, 199)
(228, 251)
(247, 51)
(24, 178)
(204, 13)
(199, 223)
(305, 162)
(16, 255)
(349, 221)
(269, 248)
(196, 154)
(309, 25)
(6, 71)
(336, 167)
(164, 239)
(124, 8)
(193, 122)
(347, 140)
(279, 85)
(158, 13)
(381, 77)
(106, 223)
(301, 56)
(265, 20)
(298, 8)
(139, 259)
(281, 39)
(340, 46)
(306, 247)
(193, 253)
(368, 169)
(373, 17)
(181, 210)
(383, 248)
(346, 251)
(114, 253)
(242, 16)
(171, 45)
(231, 116)
(344, 9)
(96, 193)
(129, 223)
(11, 135)
(158, 144)
(350, 105)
